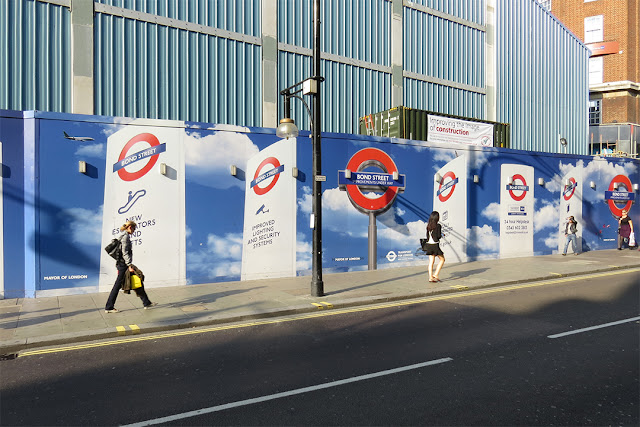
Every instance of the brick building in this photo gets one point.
(611, 29)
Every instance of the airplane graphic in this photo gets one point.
(77, 138)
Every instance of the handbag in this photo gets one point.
(135, 282)
(423, 244)
(113, 249)
(632, 239)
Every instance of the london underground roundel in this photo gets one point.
(272, 173)
(518, 187)
(569, 189)
(449, 181)
(368, 157)
(149, 155)
(615, 209)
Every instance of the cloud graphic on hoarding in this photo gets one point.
(92, 150)
(492, 212)
(547, 216)
(222, 257)
(484, 242)
(303, 254)
(208, 158)
(480, 158)
(336, 212)
(599, 170)
(83, 225)
(411, 234)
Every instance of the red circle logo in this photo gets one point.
(268, 161)
(615, 210)
(143, 137)
(451, 175)
(573, 189)
(524, 192)
(372, 157)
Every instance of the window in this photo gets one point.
(545, 3)
(596, 70)
(594, 112)
(593, 29)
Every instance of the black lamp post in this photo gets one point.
(287, 129)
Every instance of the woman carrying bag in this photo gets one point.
(625, 230)
(432, 245)
(124, 264)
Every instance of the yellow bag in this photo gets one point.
(135, 282)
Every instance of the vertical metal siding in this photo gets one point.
(471, 10)
(151, 71)
(542, 81)
(443, 99)
(356, 29)
(35, 46)
(239, 16)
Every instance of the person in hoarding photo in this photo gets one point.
(432, 247)
(570, 230)
(625, 229)
(126, 269)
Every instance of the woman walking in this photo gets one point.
(625, 228)
(434, 234)
(124, 263)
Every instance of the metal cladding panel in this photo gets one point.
(471, 10)
(355, 29)
(35, 64)
(347, 93)
(443, 99)
(542, 81)
(152, 71)
(440, 48)
(240, 16)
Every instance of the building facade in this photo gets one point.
(611, 30)
(225, 61)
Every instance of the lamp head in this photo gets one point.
(287, 129)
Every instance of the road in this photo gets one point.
(490, 357)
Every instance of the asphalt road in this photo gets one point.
(481, 359)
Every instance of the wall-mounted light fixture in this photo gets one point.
(476, 179)
(635, 187)
(294, 172)
(82, 166)
(396, 176)
(437, 177)
(592, 184)
(541, 181)
(567, 182)
(616, 185)
(234, 170)
(511, 180)
(163, 169)
(347, 174)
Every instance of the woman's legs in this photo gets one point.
(432, 259)
(439, 267)
(111, 302)
(140, 292)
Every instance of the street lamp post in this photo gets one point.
(288, 129)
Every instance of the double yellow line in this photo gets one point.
(323, 313)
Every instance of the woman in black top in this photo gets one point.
(434, 234)
(625, 228)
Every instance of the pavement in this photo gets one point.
(30, 323)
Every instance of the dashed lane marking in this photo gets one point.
(203, 411)
(591, 328)
(564, 280)
(122, 330)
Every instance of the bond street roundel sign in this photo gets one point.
(518, 187)
(273, 173)
(616, 195)
(448, 182)
(363, 159)
(149, 155)
(569, 189)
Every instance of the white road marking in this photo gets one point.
(605, 325)
(218, 408)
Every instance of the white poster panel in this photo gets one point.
(571, 205)
(144, 182)
(269, 247)
(516, 210)
(445, 129)
(450, 200)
